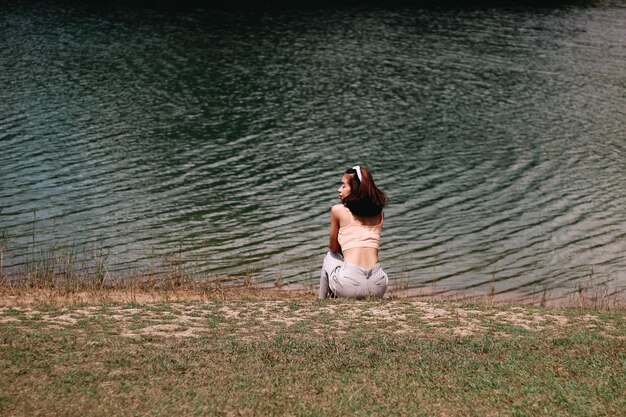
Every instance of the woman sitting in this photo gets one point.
(351, 267)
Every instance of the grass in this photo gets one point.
(75, 341)
(263, 354)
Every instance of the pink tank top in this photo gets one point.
(357, 235)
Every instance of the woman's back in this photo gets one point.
(359, 237)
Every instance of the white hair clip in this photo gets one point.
(358, 172)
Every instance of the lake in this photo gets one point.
(216, 138)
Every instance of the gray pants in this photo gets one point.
(345, 279)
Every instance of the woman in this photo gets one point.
(352, 268)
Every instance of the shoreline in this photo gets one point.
(147, 290)
(60, 277)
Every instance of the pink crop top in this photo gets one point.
(357, 235)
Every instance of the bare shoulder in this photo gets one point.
(339, 211)
(338, 207)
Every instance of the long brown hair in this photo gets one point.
(365, 198)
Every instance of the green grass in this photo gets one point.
(310, 358)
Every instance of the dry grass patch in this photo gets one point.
(261, 354)
(265, 317)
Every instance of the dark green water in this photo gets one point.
(218, 138)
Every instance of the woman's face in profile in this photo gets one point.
(344, 189)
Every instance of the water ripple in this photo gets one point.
(217, 139)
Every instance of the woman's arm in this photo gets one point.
(333, 245)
